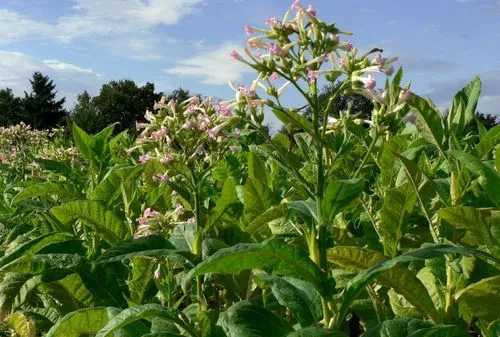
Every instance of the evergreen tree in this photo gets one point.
(41, 110)
(10, 108)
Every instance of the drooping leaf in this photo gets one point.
(480, 299)
(407, 326)
(67, 192)
(86, 321)
(39, 263)
(293, 298)
(21, 324)
(95, 214)
(273, 213)
(152, 245)
(274, 256)
(243, 319)
(33, 246)
(147, 311)
(397, 277)
(339, 194)
(293, 120)
(358, 283)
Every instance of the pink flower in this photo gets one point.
(370, 82)
(156, 135)
(274, 76)
(331, 120)
(13, 150)
(191, 220)
(200, 150)
(388, 70)
(311, 10)
(249, 29)
(379, 60)
(334, 37)
(163, 99)
(212, 133)
(143, 158)
(167, 159)
(139, 126)
(275, 50)
(235, 56)
(312, 75)
(179, 209)
(272, 21)
(187, 126)
(164, 178)
(224, 111)
(342, 63)
(347, 45)
(157, 273)
(296, 4)
(190, 108)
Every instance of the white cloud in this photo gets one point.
(212, 67)
(92, 18)
(16, 69)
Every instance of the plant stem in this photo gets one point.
(368, 153)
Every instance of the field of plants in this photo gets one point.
(202, 225)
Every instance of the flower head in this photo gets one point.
(311, 10)
(370, 82)
(272, 21)
(157, 273)
(312, 75)
(295, 4)
(143, 158)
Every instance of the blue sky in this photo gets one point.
(81, 44)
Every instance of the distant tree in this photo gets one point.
(10, 108)
(179, 95)
(487, 120)
(86, 114)
(40, 109)
(124, 102)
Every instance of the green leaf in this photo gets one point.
(243, 319)
(398, 203)
(66, 192)
(21, 324)
(39, 263)
(86, 321)
(481, 299)
(14, 290)
(412, 327)
(147, 311)
(271, 214)
(152, 245)
(33, 246)
(359, 282)
(95, 214)
(82, 142)
(257, 198)
(109, 188)
(488, 142)
(339, 194)
(140, 278)
(489, 178)
(316, 332)
(256, 168)
(463, 107)
(293, 120)
(227, 198)
(71, 286)
(274, 256)
(429, 122)
(397, 277)
(293, 298)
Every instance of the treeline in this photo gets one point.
(122, 102)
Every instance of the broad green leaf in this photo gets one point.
(72, 285)
(109, 188)
(489, 178)
(9, 289)
(293, 120)
(33, 246)
(429, 122)
(257, 198)
(490, 140)
(316, 332)
(463, 107)
(398, 203)
(86, 321)
(481, 299)
(243, 319)
(339, 194)
(274, 256)
(359, 282)
(147, 311)
(227, 198)
(140, 276)
(152, 245)
(412, 327)
(434, 287)
(397, 277)
(82, 141)
(480, 223)
(39, 263)
(273, 213)
(65, 191)
(256, 168)
(21, 324)
(95, 214)
(291, 297)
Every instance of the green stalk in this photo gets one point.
(368, 153)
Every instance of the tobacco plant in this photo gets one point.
(205, 225)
